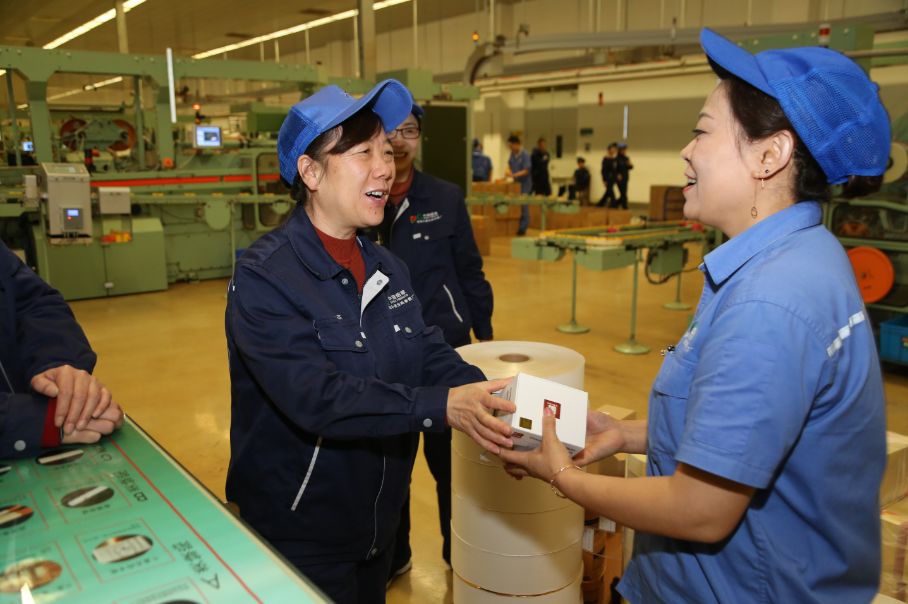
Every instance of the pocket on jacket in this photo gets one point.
(340, 334)
(408, 321)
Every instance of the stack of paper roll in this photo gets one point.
(513, 538)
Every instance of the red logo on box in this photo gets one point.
(554, 407)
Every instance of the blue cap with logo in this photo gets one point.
(829, 100)
(330, 106)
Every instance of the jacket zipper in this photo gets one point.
(384, 465)
(299, 495)
(453, 306)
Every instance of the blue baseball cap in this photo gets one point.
(829, 100)
(330, 106)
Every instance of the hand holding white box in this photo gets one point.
(533, 395)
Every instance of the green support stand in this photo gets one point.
(573, 327)
(632, 346)
(677, 304)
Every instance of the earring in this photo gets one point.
(753, 211)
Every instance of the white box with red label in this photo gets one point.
(532, 395)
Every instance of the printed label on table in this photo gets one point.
(19, 514)
(123, 549)
(43, 569)
(78, 500)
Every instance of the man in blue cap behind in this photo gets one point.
(427, 225)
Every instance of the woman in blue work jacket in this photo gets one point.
(766, 428)
(333, 371)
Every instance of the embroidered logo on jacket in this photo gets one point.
(398, 299)
(425, 218)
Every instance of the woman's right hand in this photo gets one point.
(470, 411)
(604, 437)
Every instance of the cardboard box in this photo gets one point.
(894, 536)
(895, 480)
(532, 395)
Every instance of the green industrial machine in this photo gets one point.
(125, 199)
(611, 247)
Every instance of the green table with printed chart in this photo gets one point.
(122, 522)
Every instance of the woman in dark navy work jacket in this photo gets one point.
(765, 437)
(333, 371)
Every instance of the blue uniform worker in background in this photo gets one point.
(48, 396)
(427, 225)
(766, 434)
(519, 169)
(482, 163)
(333, 369)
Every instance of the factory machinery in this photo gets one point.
(124, 199)
(617, 246)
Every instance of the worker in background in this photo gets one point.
(539, 169)
(482, 163)
(427, 225)
(519, 169)
(333, 370)
(582, 182)
(766, 431)
(48, 395)
(623, 167)
(609, 173)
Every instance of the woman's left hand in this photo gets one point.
(541, 463)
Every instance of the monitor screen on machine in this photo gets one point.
(207, 137)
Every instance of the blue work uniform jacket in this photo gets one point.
(433, 235)
(37, 332)
(329, 390)
(775, 385)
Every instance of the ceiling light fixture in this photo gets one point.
(348, 14)
(90, 25)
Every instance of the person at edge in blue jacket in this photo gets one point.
(333, 370)
(427, 225)
(48, 395)
(765, 437)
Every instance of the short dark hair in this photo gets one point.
(612, 146)
(514, 139)
(356, 129)
(760, 116)
(581, 160)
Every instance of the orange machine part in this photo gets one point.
(873, 271)
(130, 140)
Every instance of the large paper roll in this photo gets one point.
(513, 538)
(506, 358)
(490, 488)
(528, 575)
(518, 534)
(467, 592)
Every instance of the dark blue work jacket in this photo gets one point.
(37, 331)
(433, 235)
(329, 390)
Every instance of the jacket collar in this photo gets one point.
(312, 253)
(419, 188)
(722, 262)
